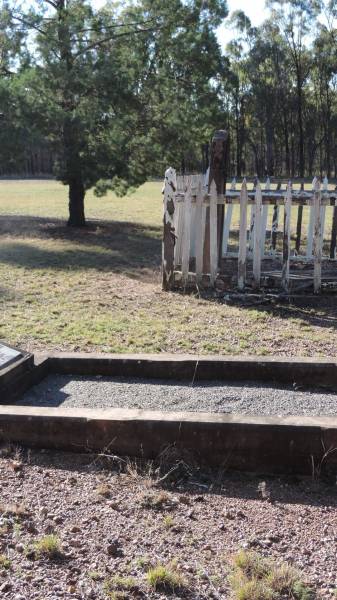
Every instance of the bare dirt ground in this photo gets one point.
(111, 523)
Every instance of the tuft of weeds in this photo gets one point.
(144, 562)
(17, 528)
(5, 563)
(117, 587)
(157, 501)
(94, 575)
(168, 522)
(104, 490)
(166, 579)
(48, 547)
(255, 577)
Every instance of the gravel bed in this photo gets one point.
(116, 521)
(249, 398)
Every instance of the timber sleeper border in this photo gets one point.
(262, 444)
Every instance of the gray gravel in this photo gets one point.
(248, 398)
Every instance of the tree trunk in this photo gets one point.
(300, 127)
(286, 145)
(76, 203)
(269, 146)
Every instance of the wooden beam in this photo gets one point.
(227, 222)
(299, 225)
(257, 238)
(311, 223)
(242, 237)
(333, 243)
(213, 234)
(218, 173)
(317, 246)
(286, 239)
(186, 243)
(199, 233)
(170, 187)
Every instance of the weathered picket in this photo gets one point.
(250, 252)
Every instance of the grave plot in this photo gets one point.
(240, 397)
(250, 414)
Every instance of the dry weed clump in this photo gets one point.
(157, 500)
(117, 587)
(166, 578)
(255, 577)
(48, 546)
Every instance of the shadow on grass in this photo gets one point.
(103, 246)
(311, 310)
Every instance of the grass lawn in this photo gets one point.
(99, 289)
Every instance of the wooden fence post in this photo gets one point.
(213, 241)
(227, 222)
(257, 238)
(243, 237)
(317, 246)
(170, 186)
(199, 232)
(286, 238)
(274, 227)
(218, 173)
(186, 245)
(333, 233)
(311, 224)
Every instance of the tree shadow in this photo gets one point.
(103, 246)
(311, 311)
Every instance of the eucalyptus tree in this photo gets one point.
(295, 20)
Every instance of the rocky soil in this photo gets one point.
(112, 519)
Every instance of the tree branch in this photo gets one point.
(110, 38)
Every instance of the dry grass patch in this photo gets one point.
(118, 587)
(157, 500)
(166, 579)
(48, 546)
(5, 562)
(255, 577)
(104, 490)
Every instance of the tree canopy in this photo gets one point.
(108, 97)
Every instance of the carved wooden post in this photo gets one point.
(218, 173)
(169, 237)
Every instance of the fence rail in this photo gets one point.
(256, 242)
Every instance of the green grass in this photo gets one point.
(166, 579)
(5, 562)
(99, 289)
(48, 546)
(117, 587)
(255, 577)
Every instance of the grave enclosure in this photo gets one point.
(249, 236)
(267, 444)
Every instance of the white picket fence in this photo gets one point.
(253, 235)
